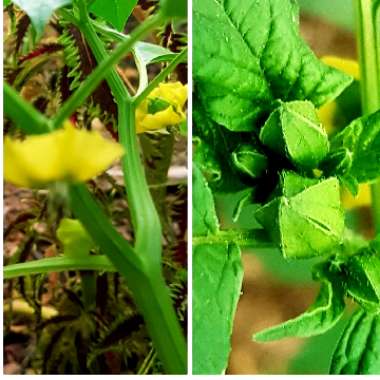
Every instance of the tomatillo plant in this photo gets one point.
(259, 94)
(53, 153)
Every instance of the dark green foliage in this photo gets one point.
(256, 133)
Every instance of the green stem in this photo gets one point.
(181, 57)
(58, 264)
(368, 29)
(88, 285)
(144, 214)
(145, 219)
(252, 238)
(27, 118)
(102, 70)
(149, 289)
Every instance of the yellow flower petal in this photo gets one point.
(348, 66)
(173, 93)
(361, 200)
(68, 154)
(328, 111)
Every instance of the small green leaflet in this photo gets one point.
(307, 220)
(40, 11)
(361, 139)
(249, 53)
(319, 318)
(217, 280)
(362, 277)
(75, 240)
(6, 2)
(116, 12)
(294, 131)
(358, 350)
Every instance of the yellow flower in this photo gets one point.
(67, 154)
(349, 66)
(162, 108)
(327, 113)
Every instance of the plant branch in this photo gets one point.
(102, 70)
(368, 29)
(251, 238)
(148, 288)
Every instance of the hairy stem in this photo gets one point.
(368, 29)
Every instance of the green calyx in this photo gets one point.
(249, 161)
(307, 219)
(294, 131)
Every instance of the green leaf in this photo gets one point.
(174, 8)
(40, 11)
(362, 278)
(216, 164)
(319, 318)
(74, 238)
(249, 53)
(217, 279)
(116, 12)
(151, 53)
(293, 130)
(6, 2)
(302, 222)
(361, 139)
(358, 350)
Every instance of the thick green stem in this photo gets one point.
(148, 287)
(58, 264)
(143, 211)
(368, 29)
(153, 301)
(145, 219)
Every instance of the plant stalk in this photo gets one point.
(368, 37)
(148, 288)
